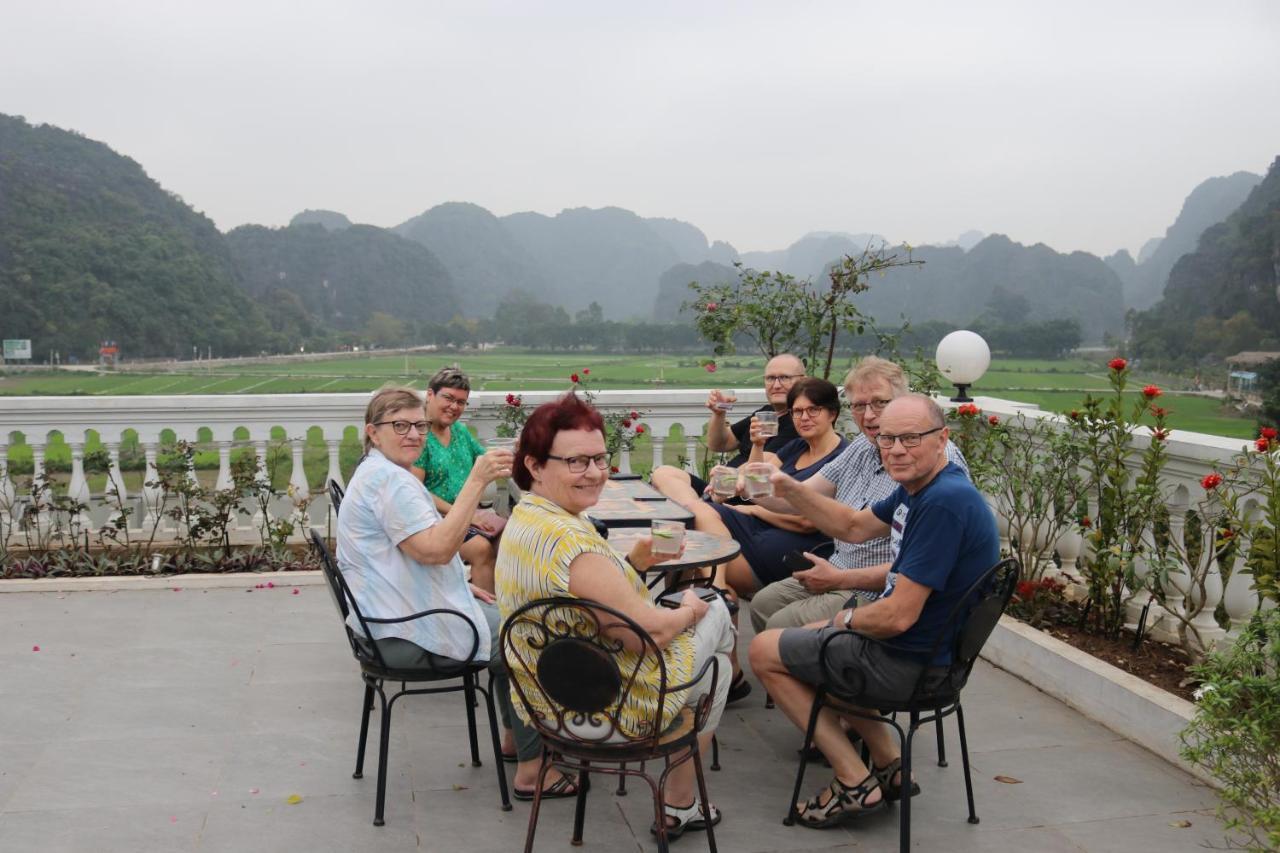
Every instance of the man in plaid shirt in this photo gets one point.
(856, 478)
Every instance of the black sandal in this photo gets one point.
(893, 791)
(843, 805)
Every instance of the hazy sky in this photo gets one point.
(1082, 125)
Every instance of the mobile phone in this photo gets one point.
(794, 561)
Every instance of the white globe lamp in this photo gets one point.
(963, 357)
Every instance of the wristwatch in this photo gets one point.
(848, 620)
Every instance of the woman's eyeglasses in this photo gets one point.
(578, 464)
(806, 412)
(402, 427)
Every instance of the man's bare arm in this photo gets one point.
(827, 514)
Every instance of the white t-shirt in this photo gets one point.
(383, 506)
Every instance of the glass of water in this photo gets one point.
(668, 536)
(768, 423)
(724, 481)
(757, 476)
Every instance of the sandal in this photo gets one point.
(892, 790)
(687, 819)
(739, 688)
(565, 786)
(843, 804)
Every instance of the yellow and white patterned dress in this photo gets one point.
(539, 542)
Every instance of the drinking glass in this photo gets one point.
(668, 536)
(757, 475)
(724, 481)
(768, 423)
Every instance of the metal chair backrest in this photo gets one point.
(336, 495)
(973, 618)
(364, 650)
(567, 667)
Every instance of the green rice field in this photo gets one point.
(1054, 385)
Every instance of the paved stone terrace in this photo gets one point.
(162, 720)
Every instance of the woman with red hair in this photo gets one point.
(549, 550)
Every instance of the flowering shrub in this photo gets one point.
(1235, 734)
(1038, 602)
(1248, 493)
(1126, 504)
(511, 416)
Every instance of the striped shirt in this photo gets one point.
(539, 543)
(860, 480)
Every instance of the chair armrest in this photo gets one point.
(435, 611)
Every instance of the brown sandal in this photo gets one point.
(843, 804)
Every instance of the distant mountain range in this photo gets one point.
(92, 249)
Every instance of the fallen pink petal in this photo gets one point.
(35, 648)
(295, 591)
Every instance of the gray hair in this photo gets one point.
(449, 377)
(873, 367)
(390, 398)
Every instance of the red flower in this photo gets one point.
(1226, 533)
(1211, 481)
(1159, 411)
(1074, 415)
(511, 399)
(635, 416)
(1151, 392)
(965, 410)
(710, 367)
(1086, 522)
(626, 422)
(1262, 445)
(1160, 434)
(711, 306)
(613, 469)
(993, 420)
(573, 377)
(1269, 433)
(1026, 590)
(1117, 364)
(639, 430)
(586, 371)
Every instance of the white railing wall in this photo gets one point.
(1191, 455)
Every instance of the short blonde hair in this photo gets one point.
(871, 368)
(387, 399)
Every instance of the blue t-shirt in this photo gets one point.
(945, 538)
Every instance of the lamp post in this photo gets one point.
(963, 357)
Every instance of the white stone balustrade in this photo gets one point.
(1191, 455)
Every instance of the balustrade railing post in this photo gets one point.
(264, 482)
(7, 497)
(78, 489)
(659, 442)
(151, 492)
(334, 445)
(691, 455)
(114, 491)
(224, 467)
(298, 486)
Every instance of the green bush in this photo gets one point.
(1236, 732)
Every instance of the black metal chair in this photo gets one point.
(375, 671)
(336, 495)
(971, 622)
(562, 654)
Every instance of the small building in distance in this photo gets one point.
(1242, 376)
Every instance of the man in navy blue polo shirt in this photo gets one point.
(946, 539)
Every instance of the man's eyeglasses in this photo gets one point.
(908, 439)
(402, 427)
(578, 464)
(781, 378)
(806, 412)
(450, 400)
(877, 406)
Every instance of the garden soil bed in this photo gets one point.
(1157, 663)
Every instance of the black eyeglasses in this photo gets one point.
(876, 406)
(578, 464)
(806, 412)
(402, 427)
(780, 378)
(908, 439)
